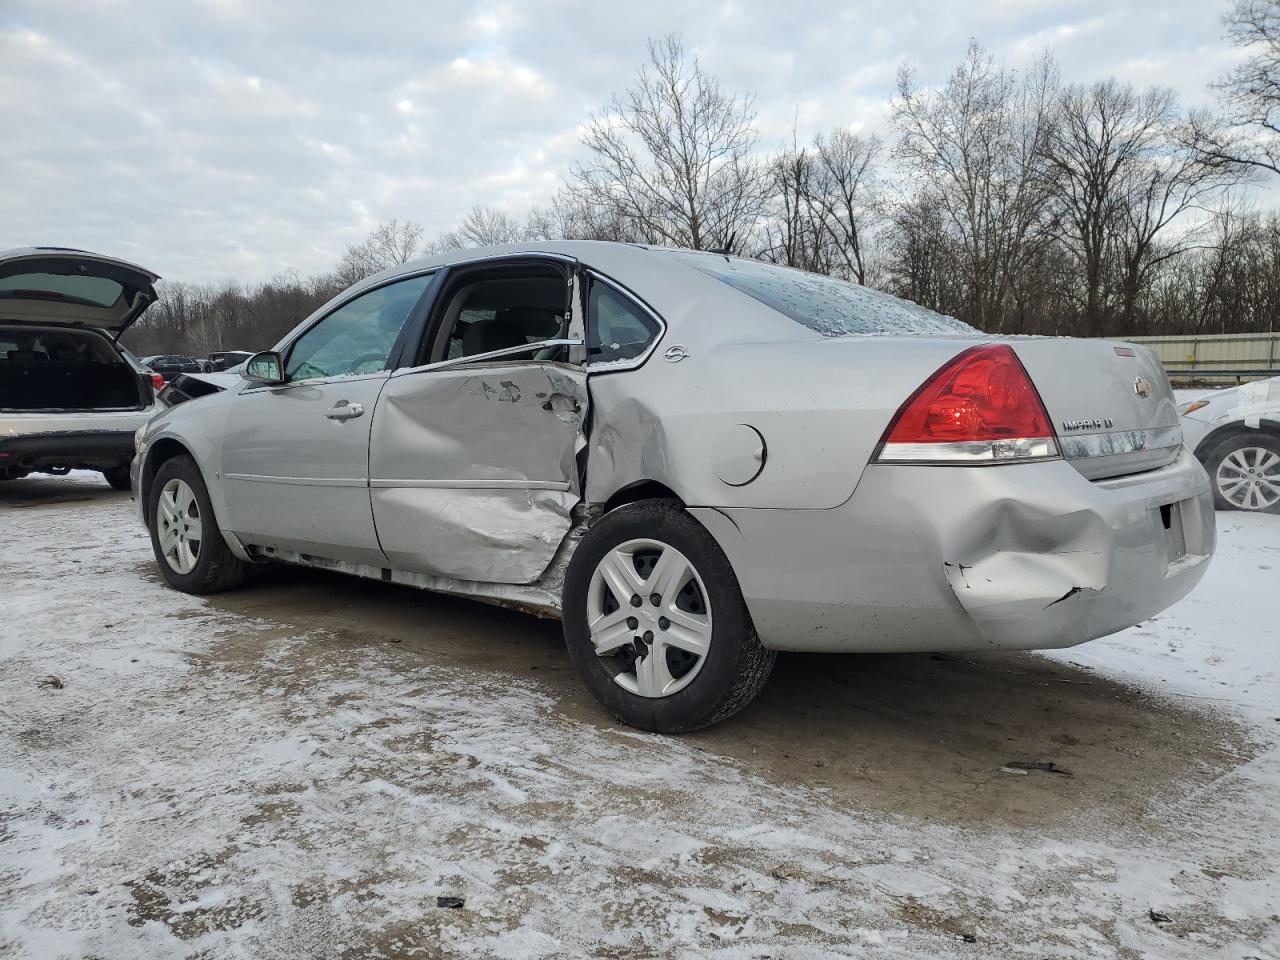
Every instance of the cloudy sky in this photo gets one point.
(212, 139)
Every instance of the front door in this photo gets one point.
(296, 456)
(473, 465)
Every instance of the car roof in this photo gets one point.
(676, 290)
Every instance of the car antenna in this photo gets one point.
(727, 249)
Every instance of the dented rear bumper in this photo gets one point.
(944, 558)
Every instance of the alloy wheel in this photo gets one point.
(179, 526)
(649, 617)
(1249, 478)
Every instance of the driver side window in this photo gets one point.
(358, 337)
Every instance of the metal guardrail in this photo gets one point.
(1194, 373)
(1217, 358)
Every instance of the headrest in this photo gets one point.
(486, 335)
(537, 323)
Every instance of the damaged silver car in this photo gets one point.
(695, 461)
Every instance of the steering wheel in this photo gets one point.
(355, 364)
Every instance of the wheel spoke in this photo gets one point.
(670, 573)
(168, 539)
(688, 631)
(652, 676)
(194, 529)
(610, 631)
(168, 508)
(1239, 460)
(184, 498)
(619, 572)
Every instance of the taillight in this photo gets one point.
(157, 382)
(980, 407)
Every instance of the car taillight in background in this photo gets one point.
(157, 382)
(980, 407)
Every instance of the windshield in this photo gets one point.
(832, 307)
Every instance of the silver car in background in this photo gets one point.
(695, 461)
(70, 396)
(1235, 433)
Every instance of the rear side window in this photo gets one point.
(832, 307)
(84, 291)
(617, 329)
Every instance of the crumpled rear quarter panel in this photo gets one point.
(944, 558)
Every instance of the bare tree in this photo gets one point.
(793, 233)
(1249, 134)
(1106, 146)
(973, 148)
(388, 245)
(843, 189)
(673, 155)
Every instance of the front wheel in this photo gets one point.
(188, 545)
(1245, 470)
(655, 622)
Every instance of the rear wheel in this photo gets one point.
(188, 545)
(655, 622)
(118, 477)
(1245, 470)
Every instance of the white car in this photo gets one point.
(1236, 435)
(70, 396)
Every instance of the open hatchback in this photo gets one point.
(70, 395)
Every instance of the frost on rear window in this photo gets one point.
(832, 307)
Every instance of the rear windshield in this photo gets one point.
(84, 291)
(832, 307)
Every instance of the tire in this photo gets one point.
(213, 567)
(117, 477)
(1244, 470)
(644, 681)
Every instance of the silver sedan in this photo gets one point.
(695, 461)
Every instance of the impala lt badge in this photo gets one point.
(1106, 423)
(1142, 387)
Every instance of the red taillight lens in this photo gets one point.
(979, 407)
(157, 382)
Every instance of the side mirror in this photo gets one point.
(265, 367)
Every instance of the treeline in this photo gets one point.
(1014, 200)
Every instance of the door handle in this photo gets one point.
(344, 411)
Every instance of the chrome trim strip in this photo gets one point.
(977, 452)
(300, 481)
(471, 484)
(1084, 446)
(481, 358)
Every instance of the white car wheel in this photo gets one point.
(1247, 476)
(178, 524)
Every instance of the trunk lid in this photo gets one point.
(46, 285)
(1111, 403)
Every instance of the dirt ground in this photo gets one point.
(301, 767)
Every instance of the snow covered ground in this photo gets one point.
(301, 768)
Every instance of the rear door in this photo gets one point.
(296, 455)
(474, 454)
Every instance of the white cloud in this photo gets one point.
(229, 139)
